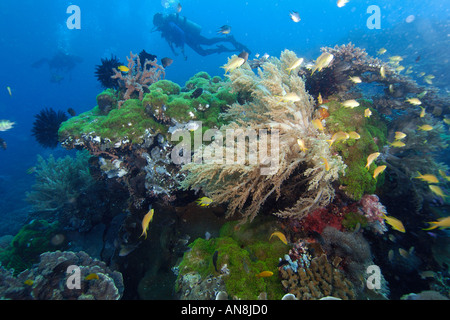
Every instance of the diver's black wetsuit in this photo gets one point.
(178, 30)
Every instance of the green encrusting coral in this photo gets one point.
(31, 240)
(372, 130)
(130, 122)
(165, 100)
(246, 253)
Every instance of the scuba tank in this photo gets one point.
(185, 24)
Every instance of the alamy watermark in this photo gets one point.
(241, 146)
(74, 20)
(374, 20)
(373, 281)
(74, 279)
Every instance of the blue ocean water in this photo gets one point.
(32, 30)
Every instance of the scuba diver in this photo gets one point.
(60, 62)
(178, 30)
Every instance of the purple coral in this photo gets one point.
(373, 210)
(138, 78)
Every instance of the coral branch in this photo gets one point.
(243, 185)
(138, 77)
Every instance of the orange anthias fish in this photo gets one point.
(145, 221)
(91, 276)
(441, 223)
(264, 274)
(327, 165)
(318, 124)
(280, 235)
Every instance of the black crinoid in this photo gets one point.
(146, 56)
(46, 125)
(104, 71)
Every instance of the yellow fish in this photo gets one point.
(265, 274)
(9, 90)
(371, 158)
(422, 94)
(350, 103)
(437, 191)
(204, 201)
(381, 51)
(403, 253)
(233, 63)
(391, 88)
(378, 170)
(399, 135)
(318, 124)
(123, 68)
(447, 120)
(319, 99)
(323, 61)
(441, 223)
(382, 72)
(295, 64)
(444, 175)
(367, 113)
(396, 58)
(145, 221)
(428, 80)
(421, 74)
(291, 96)
(301, 144)
(355, 79)
(426, 127)
(430, 178)
(28, 282)
(354, 135)
(422, 113)
(338, 136)
(394, 223)
(414, 101)
(400, 68)
(398, 144)
(280, 235)
(327, 165)
(91, 276)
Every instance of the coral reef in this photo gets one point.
(373, 210)
(65, 191)
(372, 131)
(241, 255)
(32, 239)
(48, 280)
(420, 154)
(352, 253)
(131, 147)
(353, 61)
(59, 181)
(319, 279)
(246, 184)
